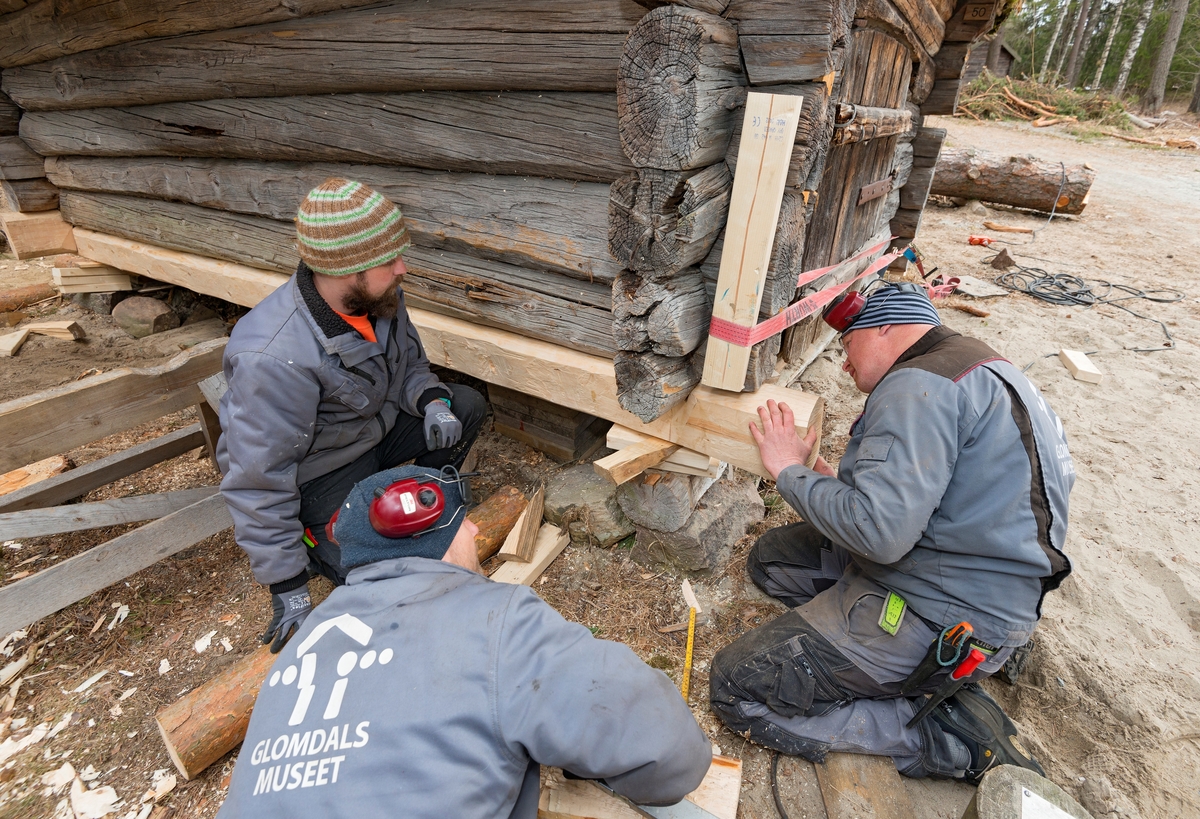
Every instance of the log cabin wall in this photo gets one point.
(565, 168)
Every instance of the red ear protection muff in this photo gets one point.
(843, 310)
(406, 508)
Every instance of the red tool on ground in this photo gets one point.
(979, 241)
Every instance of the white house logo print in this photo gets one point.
(356, 630)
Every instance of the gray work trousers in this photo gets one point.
(825, 676)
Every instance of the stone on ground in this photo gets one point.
(706, 541)
(141, 316)
(586, 504)
(1009, 792)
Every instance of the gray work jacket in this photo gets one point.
(422, 689)
(953, 489)
(307, 395)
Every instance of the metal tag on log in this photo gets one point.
(875, 190)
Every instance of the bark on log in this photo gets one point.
(564, 135)
(679, 84)
(669, 318)
(18, 162)
(660, 222)
(495, 518)
(1019, 181)
(210, 721)
(10, 116)
(649, 384)
(449, 45)
(29, 195)
(529, 302)
(19, 297)
(538, 223)
(858, 123)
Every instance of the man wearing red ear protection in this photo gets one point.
(946, 517)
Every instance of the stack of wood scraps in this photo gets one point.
(77, 275)
(681, 460)
(11, 343)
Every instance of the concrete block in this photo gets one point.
(586, 504)
(141, 316)
(706, 541)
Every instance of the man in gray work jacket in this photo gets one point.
(422, 689)
(329, 383)
(949, 506)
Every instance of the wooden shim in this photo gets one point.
(787, 58)
(31, 235)
(10, 343)
(562, 798)
(84, 479)
(495, 518)
(65, 417)
(1019, 181)
(863, 787)
(29, 195)
(211, 720)
(626, 464)
(548, 224)
(32, 598)
(80, 516)
(25, 477)
(63, 330)
(521, 542)
(678, 85)
(17, 161)
(768, 133)
(450, 45)
(549, 544)
(561, 135)
(709, 421)
(683, 461)
(1080, 366)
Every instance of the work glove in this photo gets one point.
(442, 427)
(289, 610)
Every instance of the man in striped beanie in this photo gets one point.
(329, 383)
(949, 507)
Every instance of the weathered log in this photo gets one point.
(925, 21)
(1019, 181)
(902, 165)
(660, 222)
(679, 83)
(448, 45)
(529, 302)
(29, 195)
(915, 192)
(858, 123)
(970, 20)
(711, 6)
(10, 116)
(950, 60)
(813, 132)
(890, 206)
(564, 135)
(667, 317)
(211, 720)
(928, 144)
(649, 384)
(775, 17)
(787, 58)
(538, 223)
(905, 223)
(18, 162)
(662, 501)
(943, 99)
(495, 518)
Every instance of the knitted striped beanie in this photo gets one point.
(896, 303)
(344, 227)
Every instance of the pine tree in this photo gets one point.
(1078, 42)
(1153, 99)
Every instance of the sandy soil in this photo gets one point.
(1110, 701)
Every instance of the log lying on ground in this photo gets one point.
(541, 223)
(449, 45)
(1019, 181)
(667, 317)
(10, 116)
(660, 222)
(541, 305)
(29, 195)
(495, 518)
(679, 83)
(560, 135)
(19, 297)
(17, 161)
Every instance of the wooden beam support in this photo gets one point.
(84, 479)
(29, 195)
(549, 544)
(709, 421)
(31, 235)
(33, 598)
(61, 418)
(77, 517)
(768, 133)
(626, 464)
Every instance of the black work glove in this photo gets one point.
(288, 610)
(442, 427)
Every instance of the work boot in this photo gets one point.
(980, 723)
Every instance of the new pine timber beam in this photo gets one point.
(710, 421)
(626, 464)
(765, 151)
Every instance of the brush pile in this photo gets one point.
(991, 97)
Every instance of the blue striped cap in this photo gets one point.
(896, 303)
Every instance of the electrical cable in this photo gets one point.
(783, 814)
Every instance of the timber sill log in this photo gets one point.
(649, 384)
(679, 84)
(560, 135)
(446, 45)
(1019, 181)
(858, 123)
(546, 224)
(528, 302)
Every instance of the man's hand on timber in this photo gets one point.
(442, 427)
(288, 612)
(778, 443)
